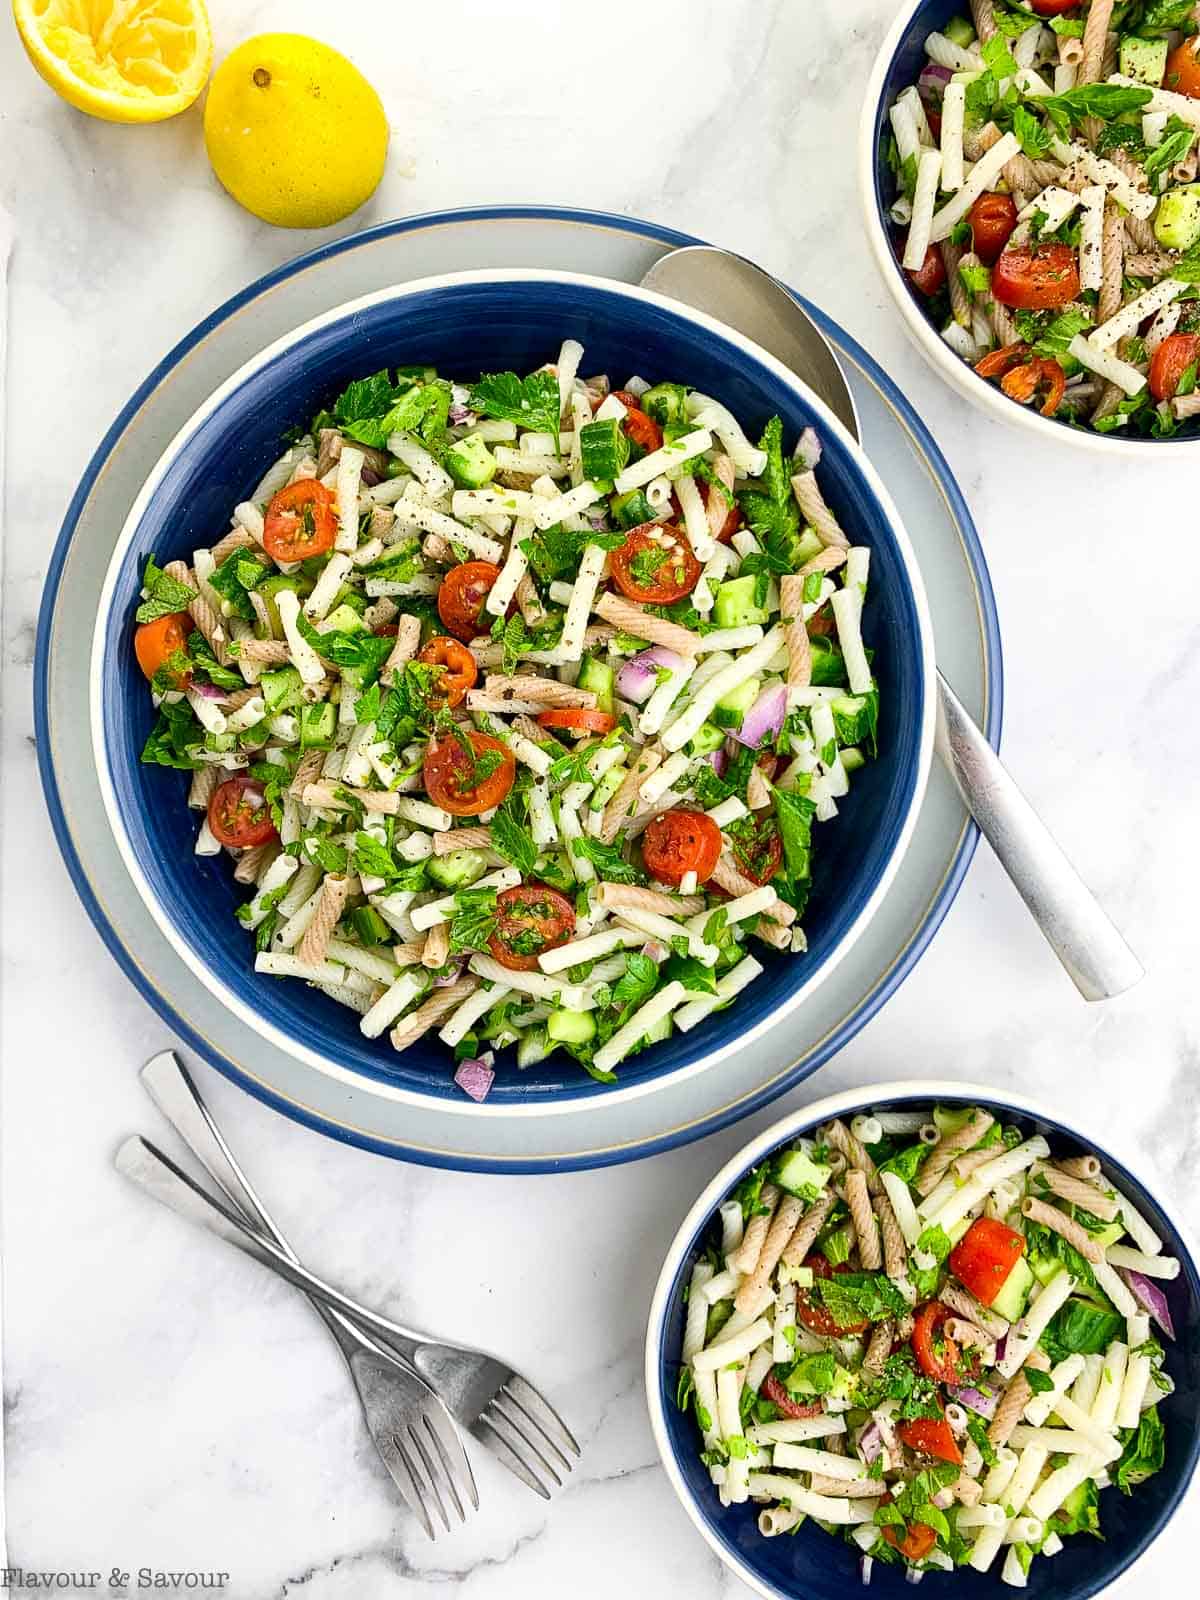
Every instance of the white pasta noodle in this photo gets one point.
(981, 178)
(953, 108)
(920, 230)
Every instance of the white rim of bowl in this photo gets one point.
(246, 1014)
(818, 1111)
(924, 335)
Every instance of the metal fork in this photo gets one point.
(411, 1428)
(502, 1410)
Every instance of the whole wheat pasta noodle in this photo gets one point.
(461, 839)
(437, 946)
(827, 560)
(1003, 326)
(619, 896)
(852, 1488)
(411, 1028)
(964, 1165)
(624, 801)
(727, 876)
(383, 611)
(236, 539)
(308, 769)
(717, 507)
(1013, 1402)
(866, 1229)
(1112, 264)
(635, 619)
(264, 652)
(895, 1253)
(791, 607)
(545, 691)
(949, 1146)
(409, 954)
(1066, 1227)
(204, 781)
(311, 949)
(960, 300)
(1185, 405)
(437, 549)
(252, 861)
(1153, 264)
(1076, 1191)
(838, 1135)
(240, 697)
(967, 1306)
(745, 1257)
(772, 933)
(807, 1230)
(983, 14)
(201, 613)
(1095, 38)
(783, 1225)
(1087, 1167)
(337, 797)
(968, 1335)
(879, 1348)
(529, 603)
(408, 639)
(966, 1491)
(815, 512)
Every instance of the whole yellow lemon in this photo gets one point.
(294, 131)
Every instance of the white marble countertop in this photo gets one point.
(168, 1405)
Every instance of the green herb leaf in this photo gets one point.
(611, 866)
(531, 402)
(510, 833)
(163, 595)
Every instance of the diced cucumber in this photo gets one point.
(470, 463)
(599, 677)
(632, 509)
(708, 737)
(828, 664)
(733, 706)
(1177, 220)
(354, 598)
(1014, 1291)
(1144, 59)
(806, 547)
(666, 403)
(661, 1030)
(947, 1121)
(458, 869)
(318, 724)
(571, 1027)
(734, 605)
(281, 689)
(535, 1045)
(961, 32)
(603, 449)
(853, 717)
(344, 619)
(607, 787)
(853, 758)
(370, 926)
(800, 1174)
(269, 588)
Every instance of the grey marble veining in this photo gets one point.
(166, 1403)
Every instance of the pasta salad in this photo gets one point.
(932, 1335)
(1046, 165)
(515, 703)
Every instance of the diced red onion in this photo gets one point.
(984, 1405)
(931, 85)
(370, 477)
(808, 450)
(870, 1442)
(766, 716)
(598, 521)
(1151, 1298)
(474, 1077)
(1001, 1346)
(210, 691)
(942, 1499)
(656, 952)
(866, 1563)
(451, 974)
(718, 760)
(637, 678)
(460, 414)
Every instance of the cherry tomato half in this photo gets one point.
(1183, 69)
(156, 642)
(467, 782)
(458, 673)
(984, 1256)
(639, 428)
(1052, 8)
(301, 521)
(992, 219)
(1170, 361)
(577, 719)
(931, 274)
(755, 842)
(1039, 375)
(915, 1543)
(238, 813)
(930, 1436)
(676, 842)
(655, 565)
(815, 1316)
(1036, 279)
(999, 361)
(530, 919)
(937, 1354)
(776, 1392)
(461, 596)
(732, 523)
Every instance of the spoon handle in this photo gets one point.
(1076, 927)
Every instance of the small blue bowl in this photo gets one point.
(813, 1565)
(464, 324)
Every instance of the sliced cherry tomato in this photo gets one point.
(733, 522)
(530, 919)
(1040, 373)
(931, 274)
(655, 565)
(1183, 69)
(984, 1256)
(915, 1543)
(1053, 8)
(930, 1436)
(386, 630)
(578, 719)
(461, 596)
(934, 119)
(301, 521)
(992, 219)
(642, 430)
(156, 642)
(676, 842)
(466, 782)
(999, 361)
(238, 813)
(1036, 279)
(458, 673)
(1170, 361)
(776, 1392)
(815, 1316)
(756, 844)
(937, 1354)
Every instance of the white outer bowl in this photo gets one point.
(922, 332)
(162, 915)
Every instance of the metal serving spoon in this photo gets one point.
(1092, 950)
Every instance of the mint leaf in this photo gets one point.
(163, 595)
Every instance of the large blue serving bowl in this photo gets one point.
(813, 1565)
(464, 324)
(897, 65)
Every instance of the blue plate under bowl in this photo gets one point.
(813, 1565)
(465, 324)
